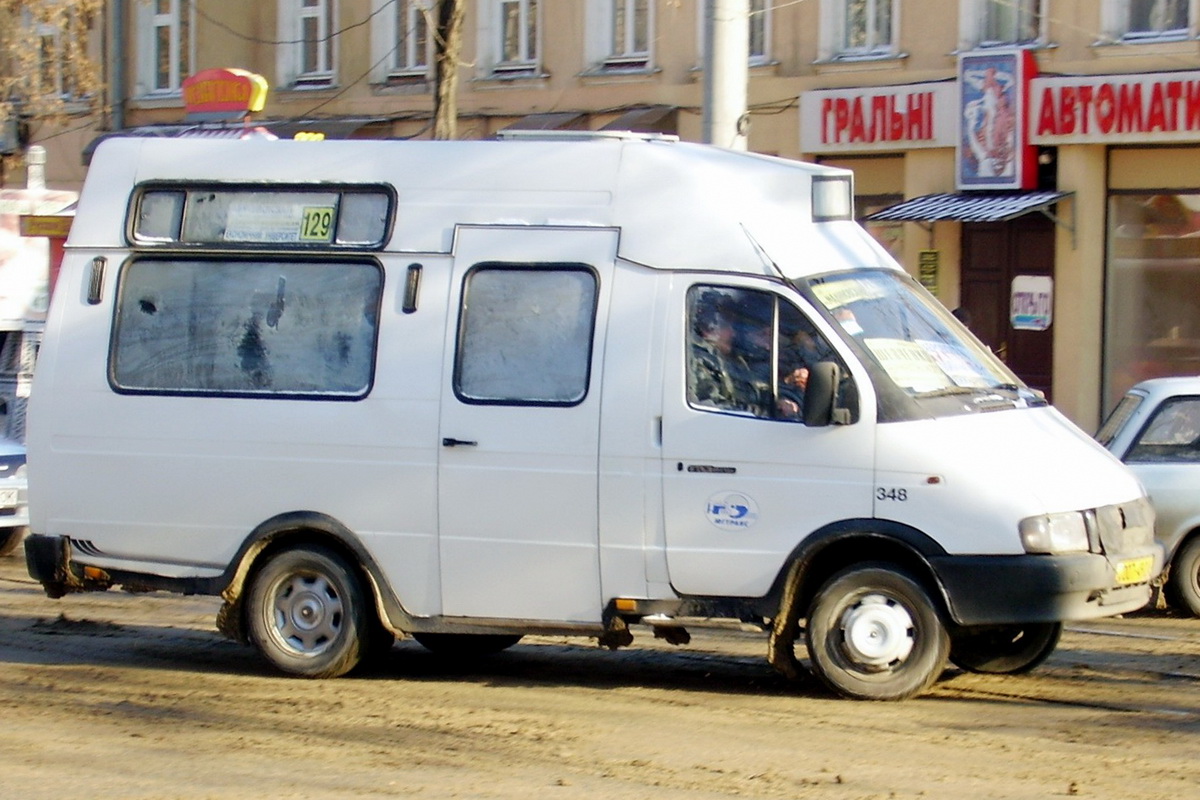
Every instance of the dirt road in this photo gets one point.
(137, 696)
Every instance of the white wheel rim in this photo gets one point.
(877, 632)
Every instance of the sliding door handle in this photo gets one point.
(448, 442)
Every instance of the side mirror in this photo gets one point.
(820, 396)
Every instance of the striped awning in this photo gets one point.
(967, 207)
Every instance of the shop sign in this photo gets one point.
(1109, 109)
(224, 94)
(1032, 302)
(877, 118)
(927, 269)
(993, 150)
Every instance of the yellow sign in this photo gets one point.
(927, 269)
(43, 225)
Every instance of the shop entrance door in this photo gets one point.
(993, 254)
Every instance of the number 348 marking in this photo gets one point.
(887, 493)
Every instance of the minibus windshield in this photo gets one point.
(913, 339)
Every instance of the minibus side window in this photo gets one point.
(267, 328)
(525, 335)
(750, 353)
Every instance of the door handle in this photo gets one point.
(448, 442)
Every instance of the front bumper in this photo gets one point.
(996, 590)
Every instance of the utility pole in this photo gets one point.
(448, 49)
(726, 71)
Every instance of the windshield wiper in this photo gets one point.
(948, 391)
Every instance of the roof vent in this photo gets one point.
(583, 136)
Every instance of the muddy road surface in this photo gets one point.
(117, 695)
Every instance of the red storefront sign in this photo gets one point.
(878, 118)
(1151, 107)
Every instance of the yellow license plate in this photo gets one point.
(1135, 570)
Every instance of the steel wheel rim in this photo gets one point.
(307, 613)
(877, 632)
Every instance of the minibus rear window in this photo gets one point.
(270, 328)
(288, 216)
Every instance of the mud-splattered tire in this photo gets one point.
(11, 538)
(307, 613)
(1004, 649)
(874, 634)
(1183, 582)
(466, 644)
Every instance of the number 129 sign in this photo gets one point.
(317, 225)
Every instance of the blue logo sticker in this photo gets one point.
(731, 510)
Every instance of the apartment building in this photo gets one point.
(1035, 162)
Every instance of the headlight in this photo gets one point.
(1054, 533)
(20, 473)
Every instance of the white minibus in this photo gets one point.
(570, 384)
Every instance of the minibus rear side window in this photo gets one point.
(264, 328)
(525, 335)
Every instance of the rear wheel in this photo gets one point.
(874, 634)
(307, 613)
(1183, 583)
(11, 538)
(1004, 649)
(466, 644)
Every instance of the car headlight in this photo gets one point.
(1054, 533)
(20, 473)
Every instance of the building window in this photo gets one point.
(760, 31)
(1152, 306)
(309, 57)
(1147, 20)
(164, 45)
(993, 23)
(857, 29)
(518, 30)
(630, 39)
(759, 44)
(867, 27)
(414, 46)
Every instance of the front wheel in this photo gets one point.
(874, 634)
(1004, 649)
(1183, 583)
(307, 613)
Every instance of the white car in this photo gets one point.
(1155, 429)
(14, 513)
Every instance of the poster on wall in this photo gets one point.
(1031, 304)
(993, 150)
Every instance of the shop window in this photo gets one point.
(1152, 307)
(888, 234)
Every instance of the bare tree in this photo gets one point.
(448, 44)
(46, 71)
